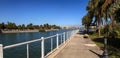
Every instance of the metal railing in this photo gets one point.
(64, 36)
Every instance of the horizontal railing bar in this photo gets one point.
(52, 36)
(19, 44)
(49, 37)
(61, 34)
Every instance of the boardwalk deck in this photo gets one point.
(77, 47)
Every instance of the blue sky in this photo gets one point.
(59, 12)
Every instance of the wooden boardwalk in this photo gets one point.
(77, 47)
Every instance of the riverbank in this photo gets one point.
(23, 31)
(18, 31)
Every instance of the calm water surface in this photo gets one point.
(35, 48)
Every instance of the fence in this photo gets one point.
(64, 36)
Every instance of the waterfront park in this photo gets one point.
(98, 35)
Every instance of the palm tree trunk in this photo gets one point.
(99, 27)
(87, 29)
(114, 24)
(99, 30)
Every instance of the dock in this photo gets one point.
(77, 47)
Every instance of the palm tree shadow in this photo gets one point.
(96, 53)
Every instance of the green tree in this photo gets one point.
(94, 6)
(55, 27)
(19, 27)
(2, 26)
(87, 20)
(30, 26)
(100, 8)
(36, 26)
(23, 26)
(41, 27)
(111, 8)
(46, 26)
(11, 25)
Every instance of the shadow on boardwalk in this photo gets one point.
(99, 55)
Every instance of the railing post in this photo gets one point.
(61, 38)
(27, 50)
(51, 44)
(64, 37)
(42, 47)
(1, 51)
(68, 35)
(57, 41)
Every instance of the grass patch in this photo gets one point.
(113, 45)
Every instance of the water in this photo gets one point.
(35, 48)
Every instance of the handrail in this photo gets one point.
(28, 42)
(49, 37)
(19, 44)
(63, 37)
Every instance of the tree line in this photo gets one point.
(11, 25)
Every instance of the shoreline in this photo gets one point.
(18, 31)
(24, 31)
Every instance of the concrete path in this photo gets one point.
(78, 47)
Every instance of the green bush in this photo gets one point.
(110, 31)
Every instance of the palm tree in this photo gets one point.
(111, 9)
(100, 10)
(107, 11)
(94, 6)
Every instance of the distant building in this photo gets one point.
(72, 27)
